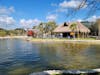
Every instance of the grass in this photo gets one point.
(65, 40)
(60, 39)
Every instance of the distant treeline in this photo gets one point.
(93, 26)
(15, 32)
(48, 28)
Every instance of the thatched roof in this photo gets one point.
(66, 28)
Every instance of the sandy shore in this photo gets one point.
(86, 41)
(8, 37)
(39, 40)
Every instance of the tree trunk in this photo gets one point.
(78, 35)
(83, 34)
(98, 22)
(99, 30)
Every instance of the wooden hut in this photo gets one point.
(66, 31)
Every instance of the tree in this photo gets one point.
(92, 7)
(34, 27)
(98, 23)
(2, 32)
(41, 27)
(51, 26)
(73, 27)
(94, 29)
(2, 29)
(46, 28)
(20, 31)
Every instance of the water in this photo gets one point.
(20, 57)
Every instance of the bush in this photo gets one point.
(2, 33)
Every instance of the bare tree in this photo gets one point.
(92, 7)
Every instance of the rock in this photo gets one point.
(69, 72)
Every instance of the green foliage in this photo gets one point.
(19, 31)
(87, 24)
(93, 26)
(73, 26)
(34, 27)
(15, 32)
(94, 29)
(46, 27)
(41, 27)
(2, 33)
(51, 26)
(2, 29)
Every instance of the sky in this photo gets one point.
(27, 13)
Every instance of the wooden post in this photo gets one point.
(84, 35)
(78, 35)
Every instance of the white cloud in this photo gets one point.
(93, 18)
(30, 22)
(57, 11)
(79, 20)
(70, 4)
(25, 22)
(6, 20)
(11, 9)
(51, 17)
(36, 21)
(6, 11)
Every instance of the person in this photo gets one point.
(72, 34)
(61, 35)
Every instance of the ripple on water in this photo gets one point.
(18, 57)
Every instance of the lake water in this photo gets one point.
(20, 57)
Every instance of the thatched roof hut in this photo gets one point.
(66, 28)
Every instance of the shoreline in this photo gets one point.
(63, 41)
(11, 37)
(54, 40)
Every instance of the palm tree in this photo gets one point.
(51, 26)
(73, 27)
(41, 27)
(46, 28)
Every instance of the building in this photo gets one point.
(65, 30)
(32, 32)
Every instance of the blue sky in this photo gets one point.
(27, 13)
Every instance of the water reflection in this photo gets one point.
(19, 57)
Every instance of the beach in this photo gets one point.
(9, 37)
(43, 40)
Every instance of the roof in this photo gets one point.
(66, 28)
(34, 30)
